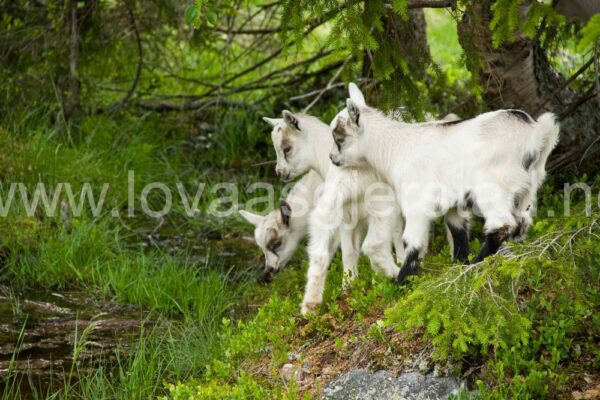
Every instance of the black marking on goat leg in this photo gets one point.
(522, 115)
(460, 238)
(469, 200)
(528, 160)
(493, 241)
(410, 266)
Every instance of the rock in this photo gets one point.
(424, 366)
(361, 384)
(287, 371)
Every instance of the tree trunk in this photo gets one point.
(410, 37)
(519, 75)
(73, 101)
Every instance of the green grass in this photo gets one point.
(527, 323)
(103, 256)
(214, 325)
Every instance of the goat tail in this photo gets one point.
(549, 130)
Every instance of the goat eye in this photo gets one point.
(341, 140)
(287, 150)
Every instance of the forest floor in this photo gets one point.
(196, 322)
(521, 325)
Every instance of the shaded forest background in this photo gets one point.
(174, 90)
(70, 59)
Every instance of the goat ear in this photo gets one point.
(254, 219)
(291, 120)
(286, 212)
(356, 95)
(353, 110)
(272, 121)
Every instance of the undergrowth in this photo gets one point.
(521, 325)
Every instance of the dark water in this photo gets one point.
(40, 331)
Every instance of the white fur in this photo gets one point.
(301, 200)
(434, 167)
(344, 209)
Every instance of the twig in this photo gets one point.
(138, 70)
(588, 148)
(311, 27)
(412, 4)
(329, 84)
(315, 92)
(73, 100)
(562, 87)
(262, 31)
(596, 70)
(264, 163)
(575, 105)
(293, 66)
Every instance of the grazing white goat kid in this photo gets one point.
(279, 232)
(493, 163)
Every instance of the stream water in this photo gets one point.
(40, 329)
(39, 332)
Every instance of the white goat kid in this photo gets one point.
(456, 221)
(352, 200)
(485, 162)
(279, 232)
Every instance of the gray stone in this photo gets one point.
(361, 384)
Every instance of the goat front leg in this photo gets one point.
(325, 223)
(321, 250)
(350, 241)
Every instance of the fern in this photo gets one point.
(508, 20)
(590, 34)
(505, 21)
(401, 7)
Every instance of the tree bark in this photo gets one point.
(72, 103)
(519, 75)
(410, 37)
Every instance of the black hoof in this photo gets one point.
(404, 273)
(410, 267)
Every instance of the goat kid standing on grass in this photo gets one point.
(493, 163)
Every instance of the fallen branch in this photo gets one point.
(329, 84)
